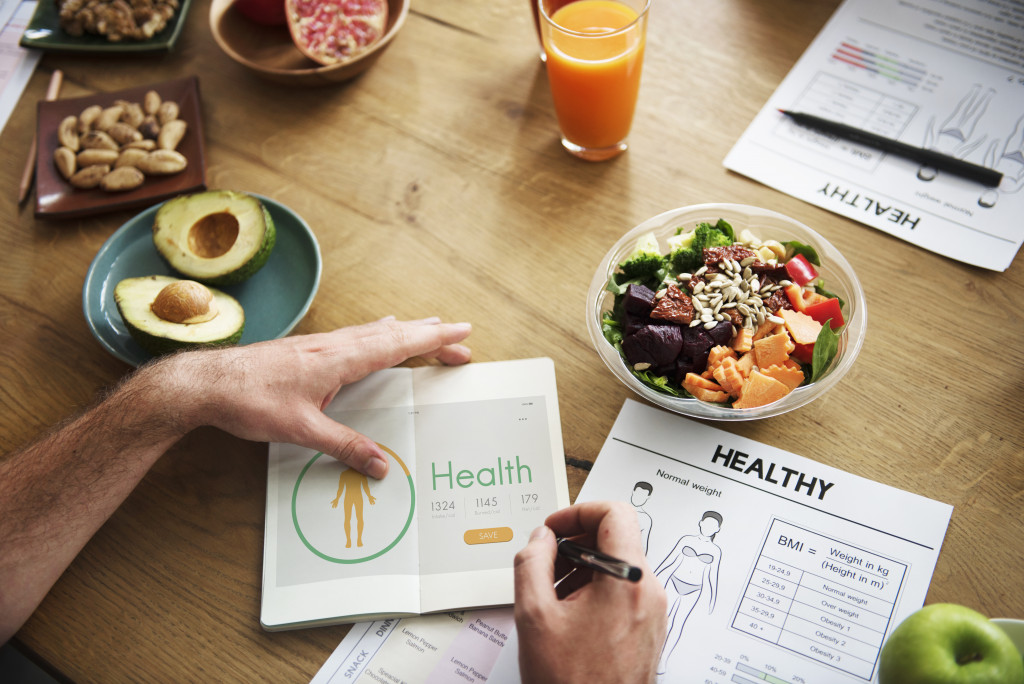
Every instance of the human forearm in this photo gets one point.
(55, 493)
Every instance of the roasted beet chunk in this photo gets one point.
(638, 300)
(696, 345)
(631, 324)
(674, 306)
(721, 333)
(657, 345)
(693, 357)
(712, 255)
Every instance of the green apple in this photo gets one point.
(949, 644)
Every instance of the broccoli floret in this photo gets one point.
(687, 259)
(645, 260)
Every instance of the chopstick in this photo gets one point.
(30, 164)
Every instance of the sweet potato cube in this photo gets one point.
(763, 330)
(788, 376)
(693, 381)
(802, 328)
(743, 341)
(746, 363)
(771, 350)
(760, 390)
(729, 376)
(715, 357)
(710, 396)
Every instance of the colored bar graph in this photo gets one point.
(877, 63)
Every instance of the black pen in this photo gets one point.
(937, 160)
(595, 560)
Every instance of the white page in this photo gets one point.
(310, 576)
(477, 463)
(811, 568)
(794, 597)
(16, 63)
(933, 74)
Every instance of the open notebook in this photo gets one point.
(476, 464)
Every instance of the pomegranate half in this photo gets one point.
(333, 31)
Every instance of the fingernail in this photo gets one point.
(378, 465)
(468, 327)
(540, 532)
(385, 319)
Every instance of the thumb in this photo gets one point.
(535, 578)
(352, 448)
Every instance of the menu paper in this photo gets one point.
(476, 463)
(16, 63)
(778, 568)
(945, 76)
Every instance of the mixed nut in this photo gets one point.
(117, 20)
(114, 148)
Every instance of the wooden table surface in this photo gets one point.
(435, 184)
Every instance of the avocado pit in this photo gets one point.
(213, 235)
(186, 302)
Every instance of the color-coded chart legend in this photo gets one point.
(878, 63)
(757, 675)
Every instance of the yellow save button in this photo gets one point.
(488, 535)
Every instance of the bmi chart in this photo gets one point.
(821, 598)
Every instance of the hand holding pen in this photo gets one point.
(596, 625)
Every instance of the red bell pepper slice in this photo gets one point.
(800, 270)
(825, 311)
(801, 298)
(804, 353)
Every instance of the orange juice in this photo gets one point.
(595, 52)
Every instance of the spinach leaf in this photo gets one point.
(659, 382)
(723, 226)
(825, 349)
(612, 331)
(809, 252)
(819, 287)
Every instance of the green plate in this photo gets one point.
(275, 299)
(44, 33)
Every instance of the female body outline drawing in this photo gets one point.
(689, 574)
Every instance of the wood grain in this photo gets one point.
(436, 185)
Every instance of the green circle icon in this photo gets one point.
(349, 561)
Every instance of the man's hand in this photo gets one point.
(605, 629)
(276, 391)
(55, 493)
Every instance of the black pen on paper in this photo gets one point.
(595, 560)
(937, 160)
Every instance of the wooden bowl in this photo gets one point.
(269, 52)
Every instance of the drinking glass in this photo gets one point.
(595, 52)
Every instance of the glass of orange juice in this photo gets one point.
(595, 52)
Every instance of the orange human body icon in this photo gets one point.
(353, 484)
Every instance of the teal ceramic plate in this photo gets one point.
(275, 299)
(44, 33)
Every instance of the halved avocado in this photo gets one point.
(219, 237)
(165, 314)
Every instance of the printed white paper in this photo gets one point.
(946, 76)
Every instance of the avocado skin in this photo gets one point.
(158, 346)
(248, 269)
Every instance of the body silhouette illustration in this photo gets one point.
(690, 576)
(353, 484)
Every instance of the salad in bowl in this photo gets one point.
(727, 312)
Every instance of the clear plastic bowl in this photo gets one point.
(765, 224)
